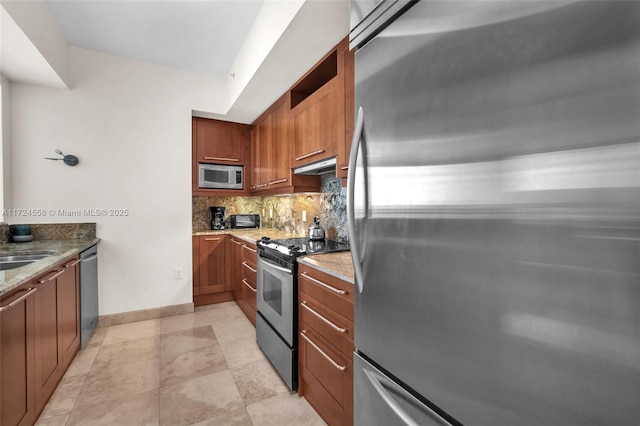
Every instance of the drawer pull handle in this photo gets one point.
(236, 242)
(249, 248)
(262, 185)
(278, 181)
(335, 364)
(317, 314)
(327, 286)
(52, 277)
(74, 263)
(29, 291)
(212, 239)
(245, 282)
(311, 154)
(344, 168)
(247, 265)
(222, 159)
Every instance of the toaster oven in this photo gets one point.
(244, 221)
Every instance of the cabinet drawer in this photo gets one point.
(332, 326)
(249, 271)
(328, 290)
(322, 365)
(250, 253)
(250, 291)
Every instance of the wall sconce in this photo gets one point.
(69, 160)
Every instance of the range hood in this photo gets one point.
(321, 167)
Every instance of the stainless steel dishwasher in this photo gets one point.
(88, 293)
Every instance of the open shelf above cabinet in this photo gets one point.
(321, 74)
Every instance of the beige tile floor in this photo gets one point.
(203, 368)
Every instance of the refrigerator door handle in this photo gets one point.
(358, 139)
(397, 409)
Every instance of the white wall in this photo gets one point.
(129, 123)
(5, 144)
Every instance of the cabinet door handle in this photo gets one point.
(247, 265)
(325, 285)
(29, 291)
(249, 248)
(311, 154)
(52, 277)
(212, 239)
(323, 353)
(245, 282)
(262, 185)
(236, 242)
(344, 167)
(321, 317)
(221, 159)
(274, 182)
(74, 263)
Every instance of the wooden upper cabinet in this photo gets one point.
(220, 142)
(279, 167)
(344, 150)
(318, 109)
(271, 152)
(264, 129)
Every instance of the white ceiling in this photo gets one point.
(255, 49)
(199, 36)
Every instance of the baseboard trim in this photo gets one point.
(144, 314)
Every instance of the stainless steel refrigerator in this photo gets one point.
(494, 211)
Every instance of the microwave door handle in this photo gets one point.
(357, 142)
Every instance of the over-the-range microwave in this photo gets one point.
(220, 176)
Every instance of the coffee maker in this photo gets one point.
(217, 217)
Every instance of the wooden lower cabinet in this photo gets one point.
(211, 281)
(40, 336)
(235, 269)
(224, 269)
(17, 397)
(48, 343)
(69, 300)
(56, 327)
(325, 313)
(248, 268)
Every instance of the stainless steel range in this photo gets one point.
(277, 298)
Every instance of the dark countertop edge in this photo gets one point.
(36, 268)
(316, 261)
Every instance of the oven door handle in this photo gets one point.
(273, 265)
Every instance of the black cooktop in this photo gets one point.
(293, 247)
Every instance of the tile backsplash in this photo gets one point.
(284, 212)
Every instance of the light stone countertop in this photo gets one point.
(338, 264)
(57, 251)
(251, 235)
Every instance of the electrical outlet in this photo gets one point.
(304, 215)
(178, 273)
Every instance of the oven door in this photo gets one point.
(275, 299)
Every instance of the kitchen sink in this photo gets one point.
(16, 261)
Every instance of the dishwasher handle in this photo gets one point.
(90, 258)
